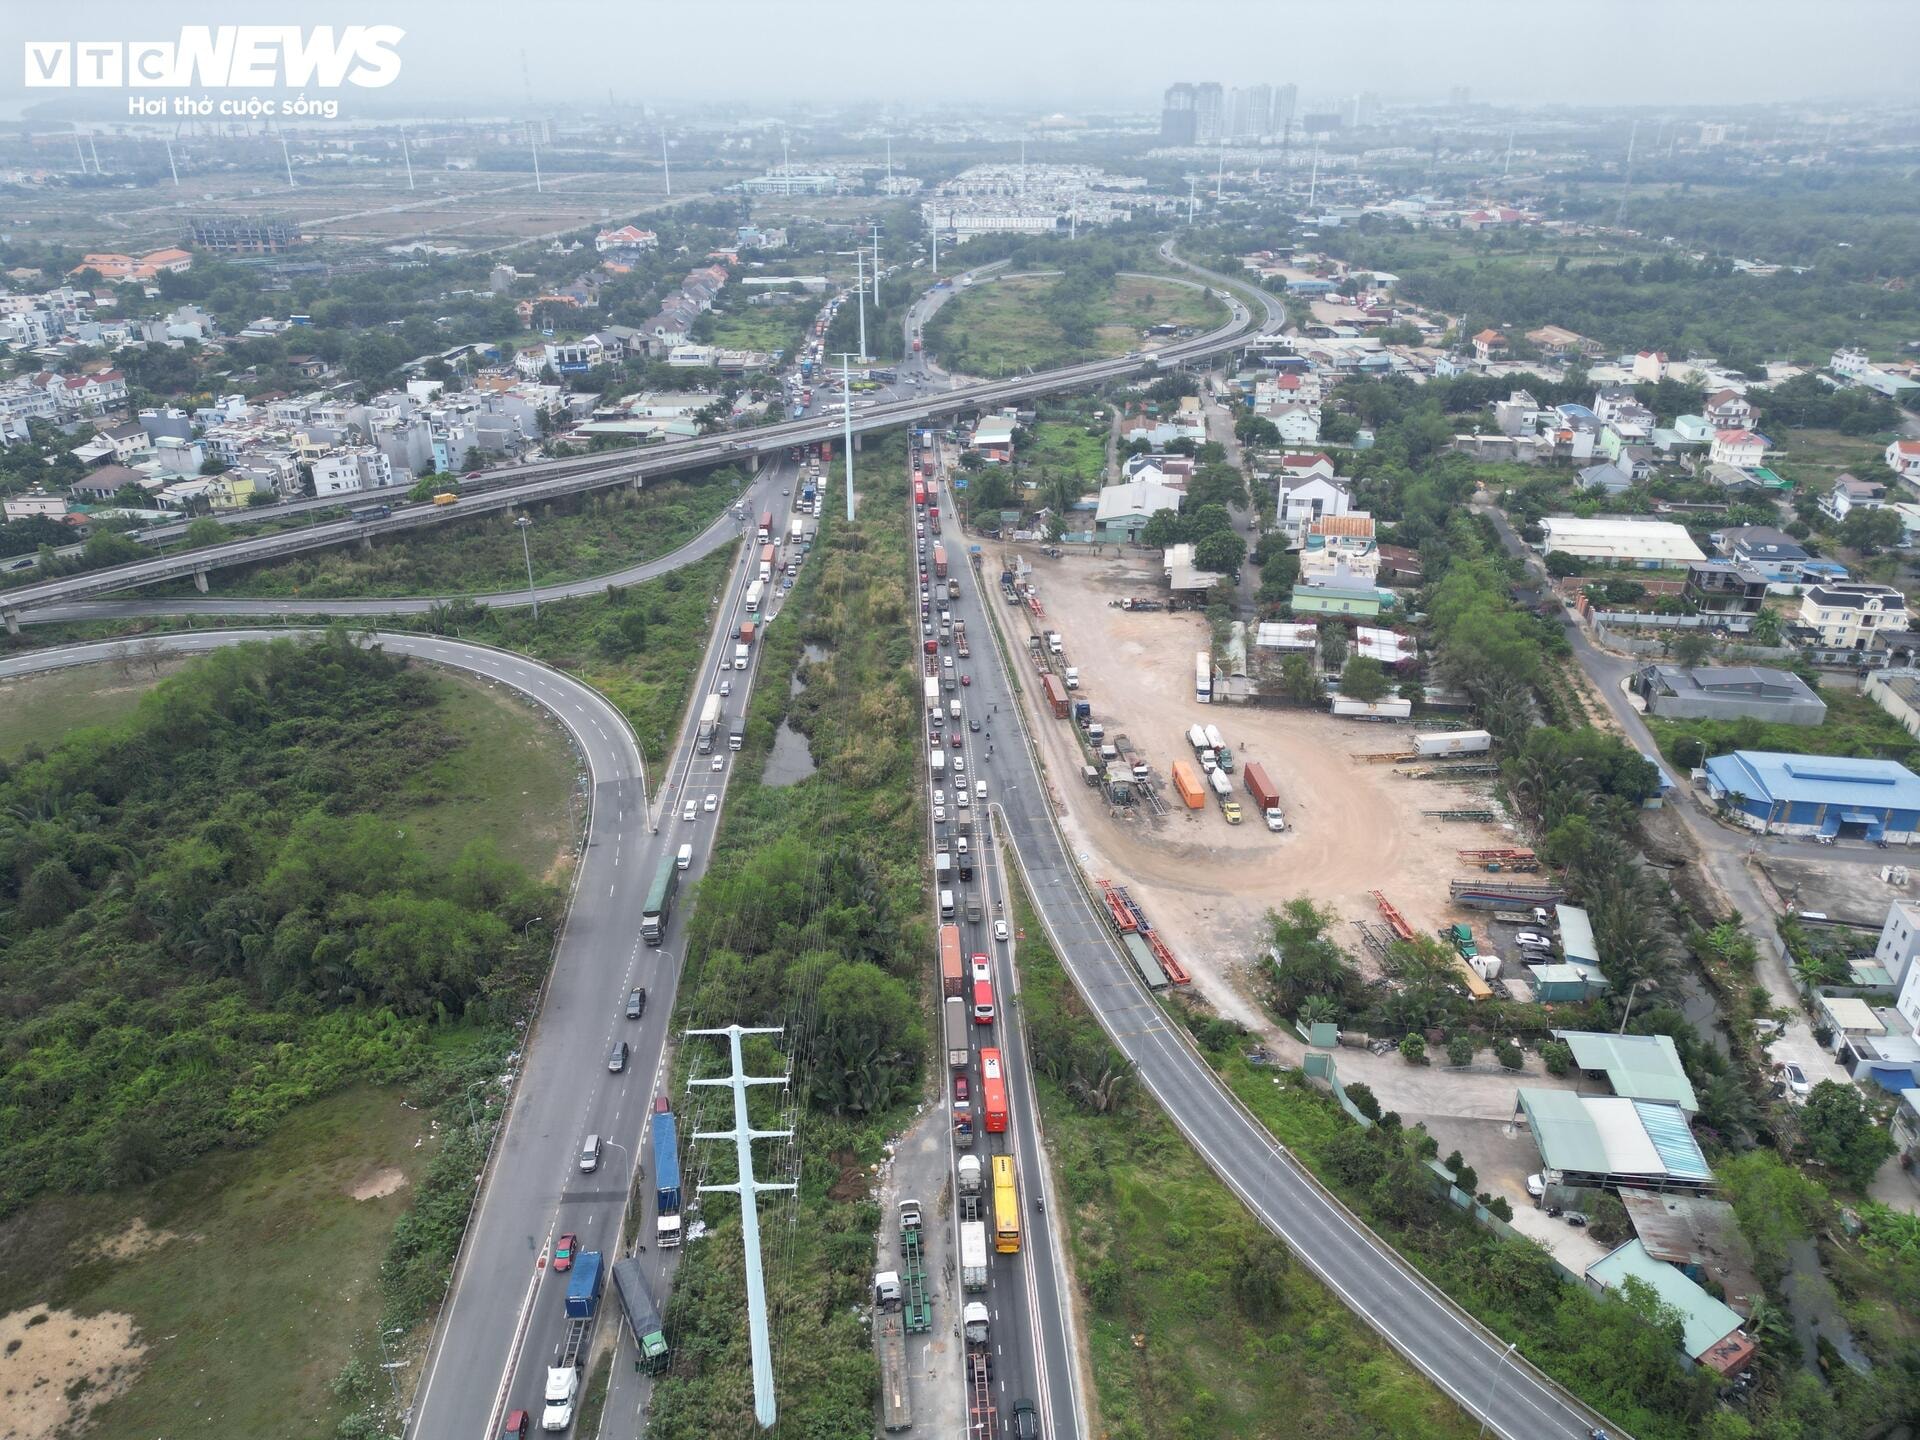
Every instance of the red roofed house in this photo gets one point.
(1726, 410)
(1486, 343)
(1903, 458)
(1299, 467)
(1650, 366)
(1742, 449)
(110, 265)
(627, 237)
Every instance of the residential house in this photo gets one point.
(1340, 545)
(35, 504)
(1297, 424)
(1608, 478)
(1557, 342)
(104, 482)
(1306, 498)
(993, 437)
(1518, 414)
(1487, 344)
(1742, 449)
(627, 237)
(1729, 410)
(1903, 458)
(1850, 493)
(1776, 554)
(1710, 1333)
(1650, 367)
(343, 472)
(1339, 593)
(1298, 466)
(1847, 616)
(1732, 590)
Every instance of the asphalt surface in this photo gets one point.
(1028, 1299)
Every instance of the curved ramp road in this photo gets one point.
(1453, 1350)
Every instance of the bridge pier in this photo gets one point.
(366, 543)
(12, 618)
(200, 580)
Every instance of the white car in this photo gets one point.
(711, 803)
(960, 800)
(692, 812)
(719, 763)
(726, 688)
(1000, 931)
(939, 814)
(1536, 1185)
(1534, 938)
(980, 789)
(1796, 1078)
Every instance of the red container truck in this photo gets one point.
(953, 975)
(1056, 694)
(940, 562)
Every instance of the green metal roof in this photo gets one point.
(1564, 1131)
(1640, 1067)
(1705, 1320)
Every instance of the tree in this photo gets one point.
(1221, 550)
(1308, 961)
(1161, 530)
(1259, 1275)
(1766, 628)
(1333, 643)
(1252, 429)
(867, 1036)
(1413, 1049)
(1298, 682)
(1460, 1051)
(1364, 679)
(1561, 565)
(1868, 531)
(1843, 1134)
(1691, 648)
(206, 531)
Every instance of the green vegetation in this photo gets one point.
(812, 917)
(1854, 726)
(758, 327)
(249, 1274)
(208, 916)
(586, 535)
(1067, 449)
(41, 709)
(1234, 1331)
(640, 645)
(1000, 327)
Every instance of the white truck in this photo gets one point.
(1053, 642)
(740, 657)
(1215, 740)
(754, 592)
(973, 1254)
(930, 688)
(1197, 738)
(1222, 786)
(1073, 677)
(1453, 742)
(709, 724)
(563, 1388)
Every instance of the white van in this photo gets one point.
(684, 858)
(946, 904)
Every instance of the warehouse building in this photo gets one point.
(1820, 795)
(1620, 540)
(1639, 1067)
(1710, 1328)
(1606, 1141)
(1731, 692)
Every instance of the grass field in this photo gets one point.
(1003, 327)
(41, 709)
(266, 1288)
(509, 778)
(585, 536)
(1814, 457)
(1156, 1243)
(764, 327)
(1065, 448)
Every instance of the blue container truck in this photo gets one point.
(666, 1176)
(584, 1284)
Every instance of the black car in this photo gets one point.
(636, 1003)
(1026, 1422)
(617, 1057)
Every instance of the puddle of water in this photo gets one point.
(1816, 1310)
(791, 759)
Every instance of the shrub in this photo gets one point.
(1363, 1099)
(1509, 1056)
(1558, 1055)
(1460, 1050)
(1413, 1050)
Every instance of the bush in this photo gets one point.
(1558, 1056)
(1509, 1056)
(1460, 1051)
(1363, 1099)
(1413, 1050)
(1498, 1207)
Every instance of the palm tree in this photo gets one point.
(1320, 1010)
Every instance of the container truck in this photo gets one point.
(796, 530)
(930, 690)
(754, 591)
(767, 557)
(1056, 695)
(584, 1285)
(643, 1316)
(1203, 678)
(666, 1177)
(960, 640)
(943, 869)
(954, 1022)
(940, 562)
(973, 1252)
(953, 975)
(709, 724)
(1265, 796)
(1215, 741)
(585, 1282)
(766, 527)
(1197, 738)
(1453, 742)
(933, 518)
(1193, 794)
(746, 633)
(737, 733)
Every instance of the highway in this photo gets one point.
(549, 478)
(1028, 1299)
(1458, 1355)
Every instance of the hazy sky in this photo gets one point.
(1048, 54)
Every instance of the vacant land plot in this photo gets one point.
(1814, 457)
(1060, 447)
(1004, 325)
(1352, 827)
(41, 709)
(250, 1281)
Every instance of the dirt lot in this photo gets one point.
(1352, 827)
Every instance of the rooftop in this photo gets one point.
(1615, 537)
(1576, 934)
(1705, 1321)
(1614, 1136)
(1816, 779)
(1639, 1067)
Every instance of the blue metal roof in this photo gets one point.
(1672, 1137)
(1769, 775)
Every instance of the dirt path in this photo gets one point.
(58, 1368)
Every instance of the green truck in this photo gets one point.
(636, 1299)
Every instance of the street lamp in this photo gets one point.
(536, 920)
(1644, 983)
(524, 524)
(1493, 1392)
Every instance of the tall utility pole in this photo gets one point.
(749, 1189)
(1191, 182)
(1626, 178)
(666, 165)
(533, 139)
(287, 156)
(94, 151)
(1504, 169)
(407, 155)
(876, 272)
(935, 228)
(524, 524)
(1220, 173)
(846, 427)
(170, 163)
(1313, 180)
(79, 152)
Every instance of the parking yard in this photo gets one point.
(1352, 827)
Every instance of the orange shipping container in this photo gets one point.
(1189, 786)
(953, 979)
(1056, 696)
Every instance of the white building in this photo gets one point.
(1307, 498)
(1620, 540)
(1848, 614)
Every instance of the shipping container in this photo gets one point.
(954, 1011)
(1056, 695)
(1203, 678)
(1453, 742)
(953, 974)
(940, 562)
(1372, 709)
(1263, 790)
(1187, 781)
